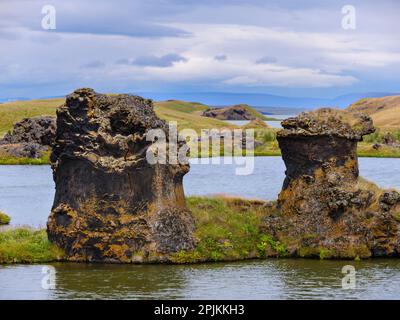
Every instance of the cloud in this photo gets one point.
(180, 45)
(122, 62)
(266, 59)
(221, 57)
(102, 17)
(153, 61)
(93, 65)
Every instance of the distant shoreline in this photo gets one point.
(9, 161)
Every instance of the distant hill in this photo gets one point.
(187, 114)
(265, 101)
(261, 101)
(183, 106)
(384, 111)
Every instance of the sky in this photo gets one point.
(288, 48)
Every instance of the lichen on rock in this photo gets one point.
(324, 207)
(111, 205)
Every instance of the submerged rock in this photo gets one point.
(111, 205)
(324, 208)
(29, 138)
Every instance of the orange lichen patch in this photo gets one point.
(117, 251)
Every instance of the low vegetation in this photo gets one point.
(226, 229)
(24, 245)
(182, 106)
(13, 112)
(188, 115)
(8, 160)
(4, 219)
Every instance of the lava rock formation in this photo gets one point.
(325, 209)
(30, 137)
(111, 205)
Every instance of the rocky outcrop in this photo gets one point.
(111, 205)
(324, 208)
(29, 137)
(237, 112)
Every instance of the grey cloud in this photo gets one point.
(266, 59)
(154, 61)
(221, 57)
(10, 34)
(103, 17)
(122, 61)
(93, 65)
(122, 28)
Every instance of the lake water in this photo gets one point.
(254, 279)
(273, 124)
(26, 194)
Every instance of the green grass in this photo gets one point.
(266, 150)
(187, 114)
(4, 219)
(24, 245)
(15, 111)
(7, 160)
(228, 229)
(182, 106)
(187, 120)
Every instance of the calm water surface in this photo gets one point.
(273, 124)
(255, 279)
(26, 194)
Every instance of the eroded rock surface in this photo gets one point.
(324, 208)
(30, 137)
(111, 205)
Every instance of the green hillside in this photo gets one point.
(187, 114)
(182, 106)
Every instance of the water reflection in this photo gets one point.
(255, 279)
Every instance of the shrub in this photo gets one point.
(4, 219)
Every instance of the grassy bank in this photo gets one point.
(226, 229)
(267, 152)
(8, 160)
(24, 245)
